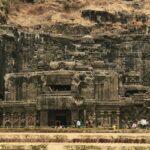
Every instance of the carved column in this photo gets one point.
(84, 113)
(4, 120)
(38, 118)
(118, 119)
(74, 116)
(34, 119)
(19, 115)
(44, 118)
(94, 119)
(109, 115)
(102, 91)
(101, 117)
(96, 91)
(12, 120)
(26, 120)
(24, 90)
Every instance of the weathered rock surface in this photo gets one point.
(99, 72)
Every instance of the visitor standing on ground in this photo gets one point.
(134, 125)
(78, 123)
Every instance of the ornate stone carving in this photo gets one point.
(31, 120)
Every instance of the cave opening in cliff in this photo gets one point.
(59, 118)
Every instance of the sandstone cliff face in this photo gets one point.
(109, 42)
(115, 36)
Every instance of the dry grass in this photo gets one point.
(46, 13)
(71, 146)
(53, 11)
(74, 138)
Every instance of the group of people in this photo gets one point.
(143, 123)
(80, 124)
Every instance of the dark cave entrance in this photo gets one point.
(59, 118)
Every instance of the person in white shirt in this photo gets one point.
(134, 125)
(143, 123)
(78, 123)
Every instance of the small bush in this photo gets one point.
(39, 147)
(5, 6)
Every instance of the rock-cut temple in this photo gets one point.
(50, 79)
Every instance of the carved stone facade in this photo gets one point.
(48, 80)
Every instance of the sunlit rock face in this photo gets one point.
(97, 74)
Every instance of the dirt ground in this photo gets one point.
(76, 135)
(83, 146)
(27, 145)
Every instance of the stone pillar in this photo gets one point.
(109, 115)
(38, 118)
(34, 119)
(26, 120)
(44, 118)
(94, 119)
(102, 91)
(24, 90)
(3, 120)
(118, 119)
(101, 117)
(84, 113)
(19, 115)
(74, 116)
(96, 91)
(12, 120)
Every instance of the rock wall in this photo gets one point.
(123, 52)
(107, 63)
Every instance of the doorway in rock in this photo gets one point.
(59, 118)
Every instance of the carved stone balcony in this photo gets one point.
(27, 103)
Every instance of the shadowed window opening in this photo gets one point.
(30, 1)
(1, 96)
(60, 88)
(132, 92)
